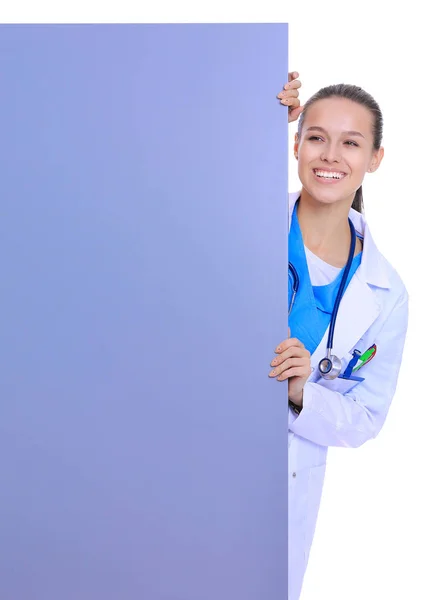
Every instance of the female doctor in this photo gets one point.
(348, 317)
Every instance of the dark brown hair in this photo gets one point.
(358, 95)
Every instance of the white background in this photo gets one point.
(371, 536)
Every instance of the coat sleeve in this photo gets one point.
(329, 418)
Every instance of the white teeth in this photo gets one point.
(329, 174)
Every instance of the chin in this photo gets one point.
(328, 194)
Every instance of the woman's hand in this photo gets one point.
(292, 363)
(290, 96)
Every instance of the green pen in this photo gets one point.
(365, 358)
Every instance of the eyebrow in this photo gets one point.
(355, 133)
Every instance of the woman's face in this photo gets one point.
(335, 149)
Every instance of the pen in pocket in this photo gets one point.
(365, 357)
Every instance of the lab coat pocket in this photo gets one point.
(339, 384)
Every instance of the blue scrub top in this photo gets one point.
(313, 306)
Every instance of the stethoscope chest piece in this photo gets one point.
(330, 366)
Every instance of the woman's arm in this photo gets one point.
(329, 418)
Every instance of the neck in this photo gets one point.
(325, 228)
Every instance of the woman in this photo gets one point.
(338, 141)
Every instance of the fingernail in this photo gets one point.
(273, 363)
(279, 349)
(272, 373)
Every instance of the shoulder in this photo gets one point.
(397, 289)
(393, 299)
(375, 267)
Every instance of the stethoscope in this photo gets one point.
(330, 366)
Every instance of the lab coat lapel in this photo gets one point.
(353, 320)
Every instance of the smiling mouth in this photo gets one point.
(329, 174)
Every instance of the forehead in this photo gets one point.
(339, 114)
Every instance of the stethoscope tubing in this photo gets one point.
(295, 287)
(342, 286)
(296, 284)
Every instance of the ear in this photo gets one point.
(376, 160)
(296, 145)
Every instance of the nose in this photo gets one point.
(330, 153)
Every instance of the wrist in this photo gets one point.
(296, 399)
(295, 402)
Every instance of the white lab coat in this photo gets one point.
(373, 310)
